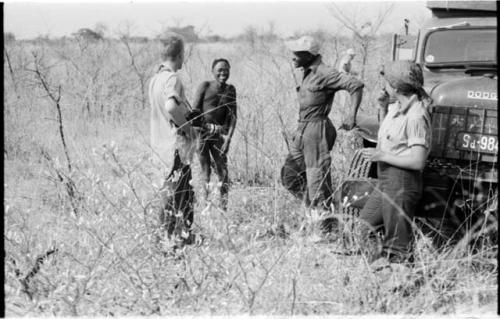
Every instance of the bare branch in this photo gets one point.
(11, 71)
(382, 17)
(340, 16)
(141, 74)
(365, 33)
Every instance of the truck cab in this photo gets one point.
(456, 48)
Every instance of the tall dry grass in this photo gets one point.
(106, 257)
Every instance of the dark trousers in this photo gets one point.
(306, 172)
(210, 152)
(177, 197)
(392, 206)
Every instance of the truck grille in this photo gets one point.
(449, 124)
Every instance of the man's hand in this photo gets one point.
(225, 145)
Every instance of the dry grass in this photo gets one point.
(261, 257)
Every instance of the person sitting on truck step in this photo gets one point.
(404, 140)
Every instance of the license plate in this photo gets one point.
(476, 142)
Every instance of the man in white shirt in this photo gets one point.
(173, 140)
(345, 65)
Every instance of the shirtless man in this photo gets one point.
(216, 100)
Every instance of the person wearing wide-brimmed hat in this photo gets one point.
(306, 171)
(404, 140)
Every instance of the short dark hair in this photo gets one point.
(172, 47)
(220, 60)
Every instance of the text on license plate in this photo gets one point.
(482, 143)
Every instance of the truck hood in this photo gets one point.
(478, 91)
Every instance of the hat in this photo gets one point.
(402, 74)
(351, 52)
(305, 43)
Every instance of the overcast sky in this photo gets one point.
(28, 20)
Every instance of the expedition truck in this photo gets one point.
(456, 48)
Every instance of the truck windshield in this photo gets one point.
(461, 47)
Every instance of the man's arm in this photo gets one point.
(174, 110)
(232, 120)
(356, 98)
(176, 114)
(232, 112)
(340, 81)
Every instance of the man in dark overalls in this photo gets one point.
(306, 172)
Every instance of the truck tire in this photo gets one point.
(359, 168)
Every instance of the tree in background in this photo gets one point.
(9, 37)
(87, 34)
(250, 35)
(364, 31)
(101, 29)
(215, 38)
(141, 72)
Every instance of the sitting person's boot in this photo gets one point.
(330, 228)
